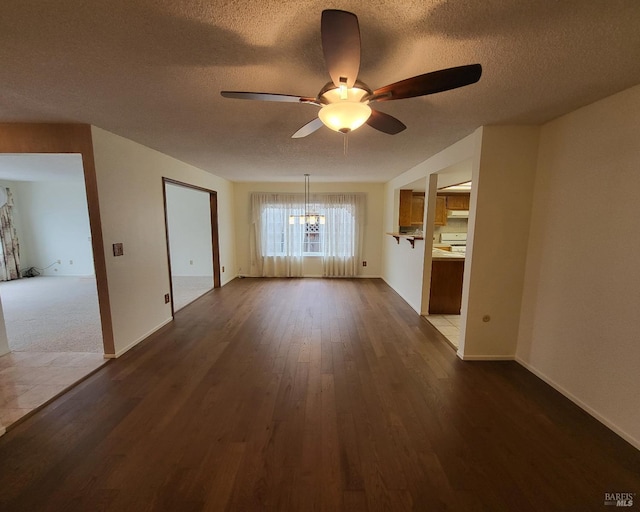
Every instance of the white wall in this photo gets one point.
(456, 174)
(502, 162)
(503, 175)
(579, 324)
(189, 224)
(129, 178)
(404, 267)
(54, 225)
(372, 240)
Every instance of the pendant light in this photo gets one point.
(307, 218)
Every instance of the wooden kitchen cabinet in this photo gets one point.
(411, 212)
(417, 208)
(406, 199)
(441, 211)
(458, 202)
(445, 296)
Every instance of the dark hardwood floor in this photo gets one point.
(310, 394)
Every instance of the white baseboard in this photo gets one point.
(612, 426)
(467, 357)
(134, 343)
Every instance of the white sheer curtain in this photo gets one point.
(344, 214)
(9, 246)
(278, 245)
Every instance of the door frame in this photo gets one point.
(215, 244)
(70, 138)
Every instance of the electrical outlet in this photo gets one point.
(70, 262)
(190, 262)
(223, 268)
(118, 249)
(166, 298)
(364, 263)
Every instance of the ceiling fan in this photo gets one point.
(345, 101)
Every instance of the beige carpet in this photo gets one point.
(186, 289)
(52, 314)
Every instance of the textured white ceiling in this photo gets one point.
(152, 70)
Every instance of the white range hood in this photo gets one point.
(458, 214)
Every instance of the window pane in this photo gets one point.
(313, 236)
(332, 233)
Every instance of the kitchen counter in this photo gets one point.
(439, 255)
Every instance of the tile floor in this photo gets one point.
(30, 379)
(448, 325)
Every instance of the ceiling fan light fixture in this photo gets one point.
(344, 116)
(344, 100)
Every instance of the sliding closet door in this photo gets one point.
(190, 242)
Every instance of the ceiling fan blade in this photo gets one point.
(341, 45)
(265, 96)
(429, 83)
(308, 129)
(385, 123)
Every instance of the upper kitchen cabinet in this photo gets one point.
(458, 201)
(406, 198)
(417, 208)
(441, 211)
(411, 212)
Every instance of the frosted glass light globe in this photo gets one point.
(344, 116)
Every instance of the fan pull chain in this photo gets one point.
(346, 143)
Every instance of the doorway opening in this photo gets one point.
(448, 251)
(191, 221)
(48, 289)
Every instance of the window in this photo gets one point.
(282, 229)
(314, 236)
(308, 233)
(273, 231)
(331, 231)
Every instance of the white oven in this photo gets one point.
(457, 241)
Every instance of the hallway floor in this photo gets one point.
(309, 394)
(29, 380)
(448, 325)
